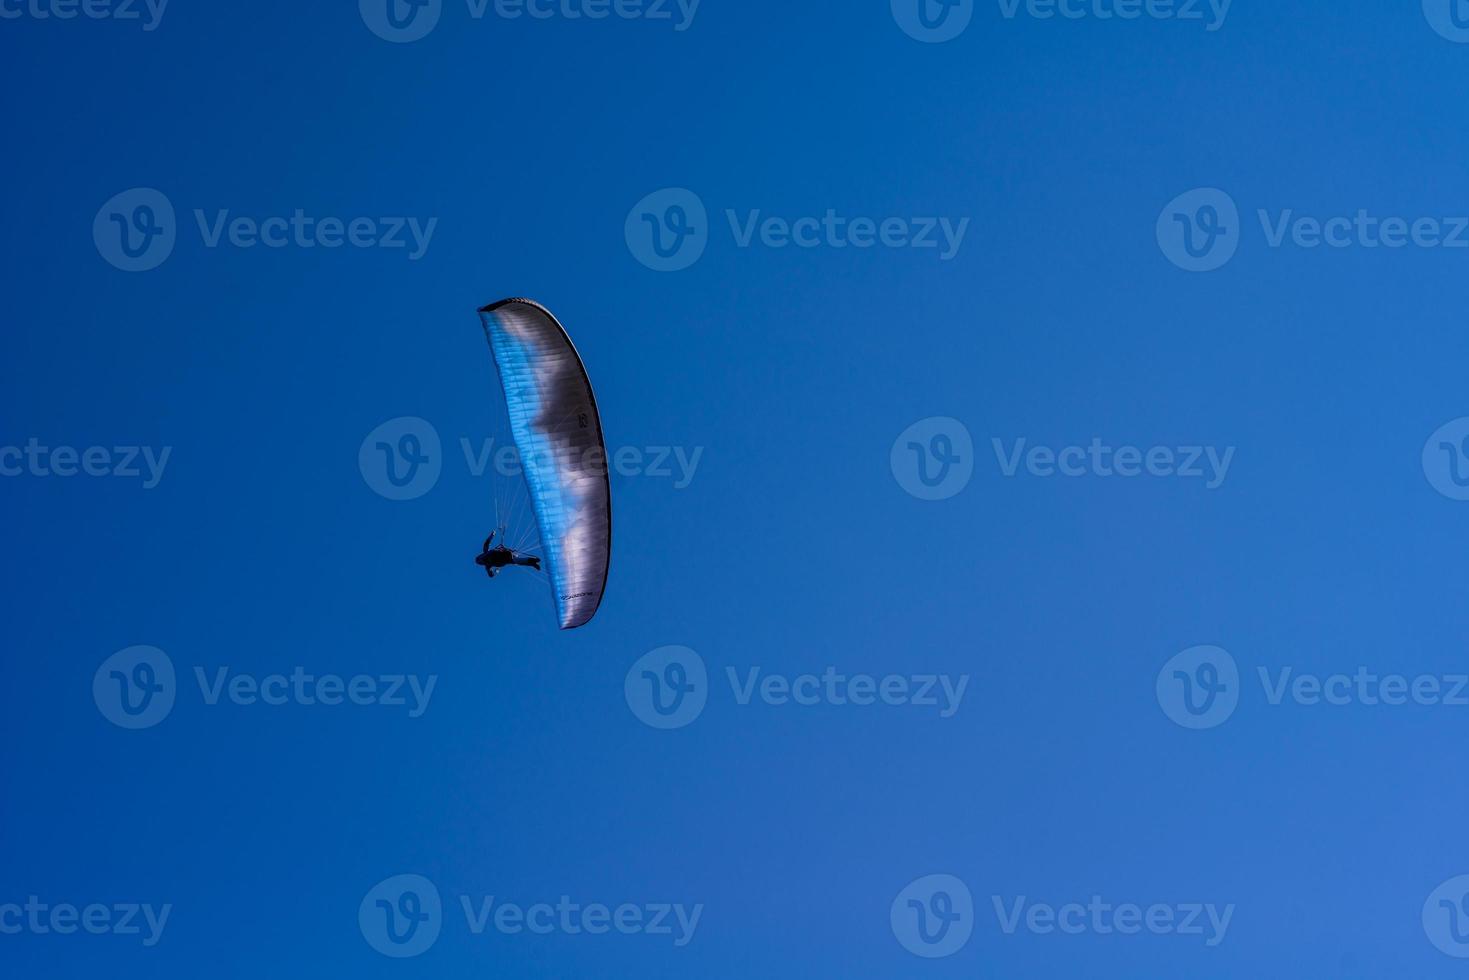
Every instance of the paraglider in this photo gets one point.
(498, 557)
(555, 513)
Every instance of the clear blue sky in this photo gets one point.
(1063, 317)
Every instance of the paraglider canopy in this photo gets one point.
(557, 431)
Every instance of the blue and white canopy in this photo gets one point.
(556, 428)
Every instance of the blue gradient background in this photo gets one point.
(794, 548)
